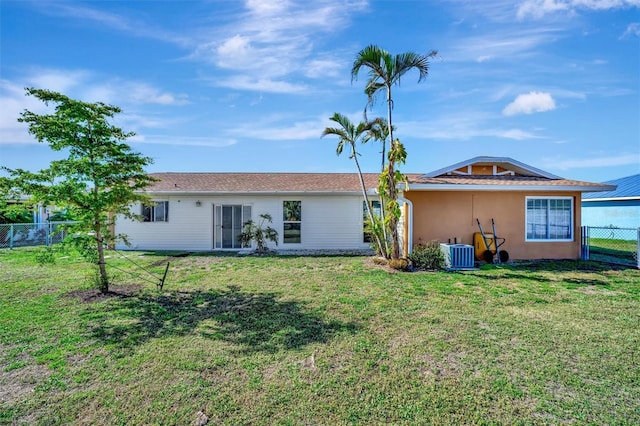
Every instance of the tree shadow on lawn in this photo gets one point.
(253, 322)
(532, 271)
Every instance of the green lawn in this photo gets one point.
(324, 340)
(614, 251)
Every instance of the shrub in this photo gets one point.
(399, 264)
(427, 256)
(380, 260)
(258, 233)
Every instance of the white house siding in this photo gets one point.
(329, 222)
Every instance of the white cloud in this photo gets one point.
(579, 163)
(323, 68)
(183, 140)
(266, 7)
(13, 102)
(508, 44)
(56, 80)
(267, 41)
(280, 128)
(144, 93)
(462, 126)
(633, 29)
(517, 134)
(540, 8)
(83, 85)
(529, 103)
(275, 40)
(91, 16)
(245, 82)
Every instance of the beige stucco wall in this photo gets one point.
(445, 215)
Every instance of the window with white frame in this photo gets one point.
(549, 219)
(292, 222)
(157, 212)
(367, 237)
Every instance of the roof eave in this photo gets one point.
(234, 193)
(588, 200)
(463, 187)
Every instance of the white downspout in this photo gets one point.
(409, 220)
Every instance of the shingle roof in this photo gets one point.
(627, 187)
(261, 182)
(512, 175)
(344, 182)
(505, 181)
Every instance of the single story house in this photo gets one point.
(536, 212)
(619, 208)
(206, 211)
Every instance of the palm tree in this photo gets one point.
(379, 132)
(350, 134)
(385, 71)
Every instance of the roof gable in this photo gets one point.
(491, 166)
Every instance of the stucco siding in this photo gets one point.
(328, 222)
(449, 215)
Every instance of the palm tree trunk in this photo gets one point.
(393, 195)
(383, 201)
(366, 201)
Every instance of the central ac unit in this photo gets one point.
(457, 256)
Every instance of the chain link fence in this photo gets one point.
(32, 234)
(612, 245)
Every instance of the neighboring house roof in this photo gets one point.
(479, 173)
(628, 188)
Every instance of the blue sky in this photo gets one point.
(250, 85)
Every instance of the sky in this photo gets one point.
(249, 86)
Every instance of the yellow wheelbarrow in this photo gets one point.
(487, 246)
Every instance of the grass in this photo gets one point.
(614, 251)
(322, 340)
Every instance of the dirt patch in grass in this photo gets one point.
(376, 262)
(95, 295)
(593, 290)
(20, 382)
(451, 366)
(169, 259)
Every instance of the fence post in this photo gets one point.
(584, 243)
(11, 237)
(638, 250)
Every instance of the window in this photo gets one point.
(367, 237)
(291, 221)
(158, 212)
(549, 219)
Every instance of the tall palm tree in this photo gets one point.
(349, 134)
(379, 132)
(385, 71)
